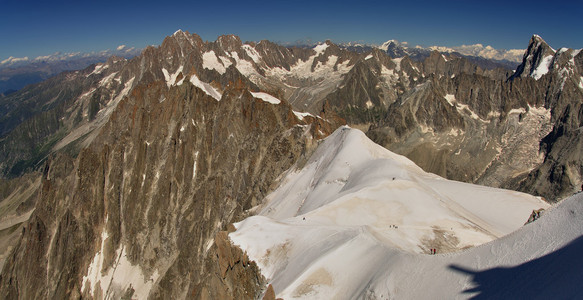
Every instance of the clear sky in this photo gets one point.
(34, 28)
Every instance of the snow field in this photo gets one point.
(342, 224)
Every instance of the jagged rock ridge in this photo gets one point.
(136, 213)
(503, 133)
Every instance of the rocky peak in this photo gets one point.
(114, 59)
(229, 43)
(170, 168)
(382, 58)
(390, 43)
(326, 51)
(435, 63)
(192, 38)
(331, 49)
(182, 42)
(275, 55)
(536, 59)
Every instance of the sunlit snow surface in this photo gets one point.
(211, 62)
(266, 97)
(345, 223)
(543, 67)
(207, 88)
(115, 280)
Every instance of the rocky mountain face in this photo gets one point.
(167, 166)
(19, 197)
(67, 111)
(37, 118)
(377, 81)
(561, 172)
(476, 127)
(536, 60)
(16, 73)
(137, 212)
(73, 106)
(131, 171)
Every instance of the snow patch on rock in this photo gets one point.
(450, 98)
(171, 78)
(211, 62)
(543, 67)
(121, 276)
(302, 115)
(207, 88)
(266, 97)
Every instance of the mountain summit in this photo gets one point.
(537, 59)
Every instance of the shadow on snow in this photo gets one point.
(557, 275)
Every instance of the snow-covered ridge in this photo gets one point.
(357, 202)
(302, 115)
(13, 60)
(385, 46)
(320, 48)
(331, 70)
(170, 79)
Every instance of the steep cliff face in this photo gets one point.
(36, 119)
(19, 197)
(470, 125)
(376, 81)
(146, 160)
(536, 60)
(136, 213)
(561, 173)
(470, 128)
(67, 112)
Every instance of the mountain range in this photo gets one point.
(123, 179)
(17, 72)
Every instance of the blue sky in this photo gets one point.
(34, 28)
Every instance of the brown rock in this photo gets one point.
(269, 294)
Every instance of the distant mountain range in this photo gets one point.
(486, 57)
(17, 72)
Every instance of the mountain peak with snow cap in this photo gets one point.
(394, 48)
(390, 43)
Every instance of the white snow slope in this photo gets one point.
(358, 221)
